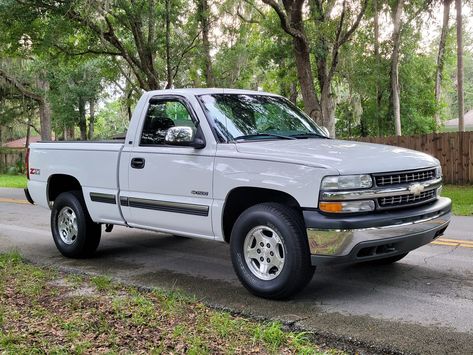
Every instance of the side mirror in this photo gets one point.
(325, 131)
(183, 136)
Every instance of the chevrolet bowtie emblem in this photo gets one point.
(416, 189)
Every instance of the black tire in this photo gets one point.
(297, 270)
(388, 260)
(88, 235)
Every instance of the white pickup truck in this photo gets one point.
(247, 168)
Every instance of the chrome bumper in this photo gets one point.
(374, 236)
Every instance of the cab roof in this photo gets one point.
(207, 91)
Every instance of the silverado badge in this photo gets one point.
(416, 189)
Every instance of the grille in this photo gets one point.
(404, 177)
(403, 200)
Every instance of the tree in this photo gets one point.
(331, 34)
(461, 100)
(441, 59)
(204, 19)
(136, 31)
(77, 84)
(291, 19)
(396, 42)
(378, 92)
(38, 92)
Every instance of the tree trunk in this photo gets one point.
(379, 117)
(306, 80)
(461, 102)
(82, 120)
(204, 22)
(395, 89)
(71, 133)
(168, 45)
(91, 119)
(44, 110)
(326, 96)
(441, 61)
(28, 132)
(328, 108)
(292, 23)
(293, 93)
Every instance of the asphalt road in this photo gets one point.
(422, 304)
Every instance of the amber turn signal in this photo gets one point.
(332, 207)
(347, 206)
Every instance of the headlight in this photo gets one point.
(438, 172)
(346, 182)
(347, 207)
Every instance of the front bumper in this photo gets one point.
(350, 239)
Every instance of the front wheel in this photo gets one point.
(74, 232)
(269, 250)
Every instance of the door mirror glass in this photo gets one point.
(325, 131)
(179, 135)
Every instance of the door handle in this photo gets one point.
(137, 163)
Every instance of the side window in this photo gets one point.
(160, 117)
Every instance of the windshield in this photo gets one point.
(239, 117)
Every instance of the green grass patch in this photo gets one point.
(462, 199)
(15, 181)
(46, 311)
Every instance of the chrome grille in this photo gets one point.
(403, 200)
(404, 177)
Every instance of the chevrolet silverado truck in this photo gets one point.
(249, 169)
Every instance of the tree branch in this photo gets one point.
(20, 87)
(284, 21)
(87, 51)
(342, 39)
(184, 52)
(355, 25)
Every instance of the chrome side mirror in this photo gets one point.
(179, 135)
(325, 131)
(183, 136)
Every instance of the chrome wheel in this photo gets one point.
(264, 252)
(67, 225)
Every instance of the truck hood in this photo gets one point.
(347, 157)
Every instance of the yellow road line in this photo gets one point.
(463, 245)
(13, 200)
(447, 240)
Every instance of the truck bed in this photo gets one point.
(94, 165)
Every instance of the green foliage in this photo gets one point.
(13, 181)
(106, 52)
(62, 318)
(462, 199)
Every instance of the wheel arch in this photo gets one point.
(59, 183)
(242, 198)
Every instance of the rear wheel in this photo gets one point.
(74, 232)
(269, 250)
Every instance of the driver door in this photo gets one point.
(169, 187)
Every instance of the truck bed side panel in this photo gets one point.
(94, 165)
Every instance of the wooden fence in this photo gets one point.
(10, 157)
(454, 150)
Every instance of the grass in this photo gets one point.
(462, 198)
(47, 311)
(18, 181)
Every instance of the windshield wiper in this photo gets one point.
(308, 135)
(256, 135)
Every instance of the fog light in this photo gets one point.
(347, 207)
